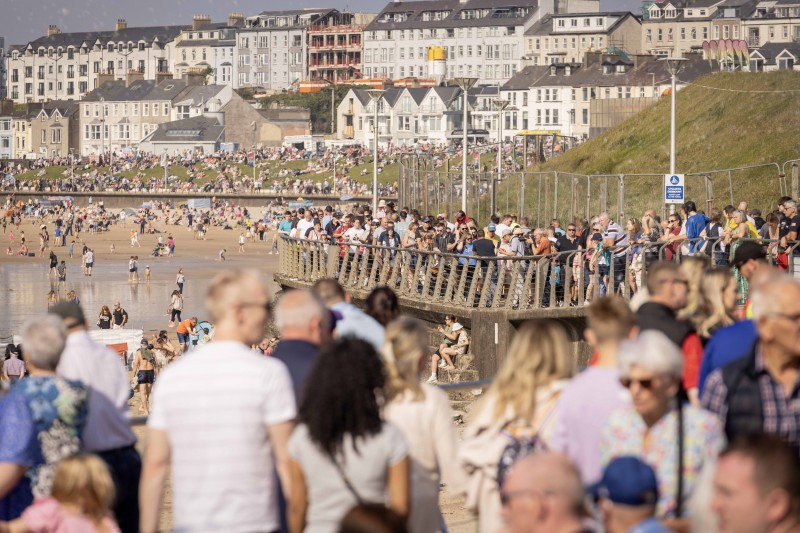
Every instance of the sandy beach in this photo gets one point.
(24, 286)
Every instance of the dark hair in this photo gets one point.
(9, 349)
(341, 394)
(382, 305)
(776, 464)
(372, 518)
(689, 206)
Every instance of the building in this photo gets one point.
(581, 100)
(205, 46)
(3, 92)
(201, 134)
(271, 50)
(335, 46)
(119, 114)
(70, 65)
(565, 38)
(482, 39)
(282, 122)
(677, 27)
(775, 56)
(46, 130)
(6, 129)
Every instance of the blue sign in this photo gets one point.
(674, 189)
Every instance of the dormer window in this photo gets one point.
(553, 69)
(702, 12)
(567, 70)
(670, 13)
(621, 69)
(608, 69)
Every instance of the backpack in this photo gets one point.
(521, 443)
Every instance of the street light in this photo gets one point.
(674, 65)
(499, 105)
(465, 84)
(375, 95)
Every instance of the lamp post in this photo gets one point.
(375, 95)
(499, 104)
(674, 65)
(333, 103)
(465, 84)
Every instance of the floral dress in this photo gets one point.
(57, 409)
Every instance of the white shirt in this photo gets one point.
(215, 407)
(107, 425)
(500, 228)
(357, 323)
(90, 256)
(303, 225)
(354, 235)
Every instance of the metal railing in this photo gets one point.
(571, 278)
(436, 188)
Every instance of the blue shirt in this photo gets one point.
(358, 324)
(694, 226)
(285, 226)
(467, 251)
(299, 357)
(727, 345)
(651, 525)
(16, 451)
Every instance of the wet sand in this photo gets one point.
(24, 284)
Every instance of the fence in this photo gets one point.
(568, 196)
(571, 278)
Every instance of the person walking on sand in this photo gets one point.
(175, 307)
(221, 255)
(62, 275)
(171, 246)
(89, 261)
(180, 280)
(241, 243)
(131, 269)
(147, 272)
(53, 266)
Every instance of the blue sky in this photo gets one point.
(24, 20)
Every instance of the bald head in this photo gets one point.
(544, 493)
(329, 291)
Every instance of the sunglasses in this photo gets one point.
(646, 384)
(570, 229)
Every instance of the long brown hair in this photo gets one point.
(405, 343)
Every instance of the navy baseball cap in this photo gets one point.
(627, 481)
(491, 227)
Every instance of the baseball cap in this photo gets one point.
(627, 481)
(491, 227)
(456, 327)
(596, 237)
(747, 251)
(70, 312)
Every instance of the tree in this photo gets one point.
(318, 103)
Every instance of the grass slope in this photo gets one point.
(718, 127)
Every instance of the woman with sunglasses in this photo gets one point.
(675, 438)
(671, 244)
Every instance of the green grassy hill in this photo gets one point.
(724, 120)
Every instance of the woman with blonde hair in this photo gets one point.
(521, 405)
(422, 413)
(81, 498)
(718, 288)
(693, 268)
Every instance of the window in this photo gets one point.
(585, 116)
(44, 136)
(55, 135)
(145, 109)
(166, 109)
(135, 109)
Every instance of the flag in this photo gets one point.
(707, 52)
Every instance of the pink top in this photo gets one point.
(13, 366)
(46, 515)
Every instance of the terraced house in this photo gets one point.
(66, 66)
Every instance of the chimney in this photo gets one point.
(6, 108)
(235, 19)
(103, 78)
(52, 29)
(122, 24)
(161, 76)
(199, 20)
(194, 76)
(132, 76)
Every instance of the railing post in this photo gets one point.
(709, 191)
(794, 179)
(621, 197)
(555, 195)
(604, 195)
(730, 185)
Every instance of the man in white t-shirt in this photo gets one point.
(354, 234)
(221, 421)
(304, 224)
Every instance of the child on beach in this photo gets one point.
(81, 497)
(147, 274)
(71, 248)
(221, 256)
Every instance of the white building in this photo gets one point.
(205, 46)
(483, 39)
(272, 50)
(66, 66)
(565, 38)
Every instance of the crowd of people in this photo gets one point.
(682, 421)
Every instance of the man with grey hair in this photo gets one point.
(31, 446)
(303, 324)
(789, 233)
(759, 392)
(108, 432)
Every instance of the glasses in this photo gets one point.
(672, 221)
(646, 384)
(570, 229)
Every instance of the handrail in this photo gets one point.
(522, 282)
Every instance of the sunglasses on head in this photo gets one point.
(643, 383)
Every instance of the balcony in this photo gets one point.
(753, 41)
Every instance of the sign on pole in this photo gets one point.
(674, 189)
